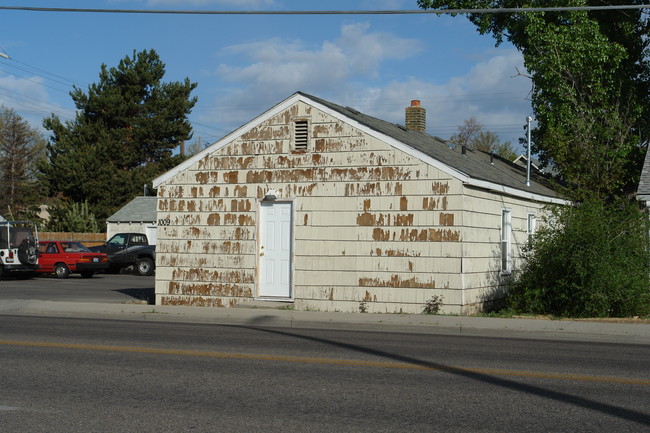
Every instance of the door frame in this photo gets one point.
(258, 250)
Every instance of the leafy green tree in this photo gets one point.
(489, 141)
(21, 148)
(123, 135)
(590, 72)
(588, 260)
(471, 135)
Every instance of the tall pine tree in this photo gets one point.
(125, 129)
(21, 147)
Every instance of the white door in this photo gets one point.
(275, 249)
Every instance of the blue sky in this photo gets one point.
(245, 64)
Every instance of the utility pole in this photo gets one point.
(528, 120)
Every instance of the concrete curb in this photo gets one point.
(411, 323)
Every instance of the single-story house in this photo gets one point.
(137, 216)
(334, 210)
(643, 191)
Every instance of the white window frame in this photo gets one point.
(506, 241)
(532, 223)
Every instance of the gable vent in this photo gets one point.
(301, 135)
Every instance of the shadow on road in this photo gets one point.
(141, 294)
(626, 414)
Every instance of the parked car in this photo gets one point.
(129, 249)
(62, 258)
(18, 252)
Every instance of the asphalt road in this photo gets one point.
(102, 288)
(65, 375)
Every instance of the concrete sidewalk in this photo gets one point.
(263, 316)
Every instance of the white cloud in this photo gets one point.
(29, 98)
(490, 91)
(348, 71)
(278, 68)
(26, 93)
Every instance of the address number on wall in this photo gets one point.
(164, 221)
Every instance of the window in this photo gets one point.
(506, 235)
(138, 239)
(4, 237)
(300, 134)
(532, 223)
(117, 240)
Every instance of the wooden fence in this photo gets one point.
(88, 239)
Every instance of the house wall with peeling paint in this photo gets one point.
(484, 282)
(374, 228)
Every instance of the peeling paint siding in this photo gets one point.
(481, 250)
(372, 281)
(325, 298)
(223, 246)
(195, 300)
(219, 261)
(372, 223)
(385, 263)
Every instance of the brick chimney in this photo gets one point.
(416, 117)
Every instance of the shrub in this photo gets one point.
(588, 260)
(72, 217)
(433, 305)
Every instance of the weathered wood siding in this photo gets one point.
(374, 228)
(483, 280)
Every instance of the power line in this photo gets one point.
(38, 82)
(331, 12)
(39, 106)
(68, 81)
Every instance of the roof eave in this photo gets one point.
(514, 192)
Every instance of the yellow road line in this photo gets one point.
(331, 361)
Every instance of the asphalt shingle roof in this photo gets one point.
(475, 163)
(140, 209)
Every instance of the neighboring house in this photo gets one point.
(335, 210)
(137, 216)
(522, 161)
(643, 191)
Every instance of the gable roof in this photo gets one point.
(140, 209)
(475, 168)
(643, 192)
